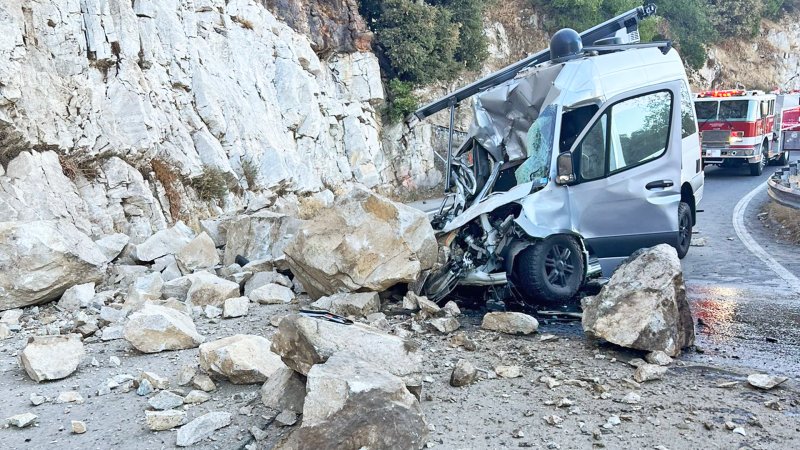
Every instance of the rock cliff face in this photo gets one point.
(126, 97)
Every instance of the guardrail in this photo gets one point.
(783, 187)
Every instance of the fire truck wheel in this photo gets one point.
(784, 159)
(757, 168)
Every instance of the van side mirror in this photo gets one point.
(565, 169)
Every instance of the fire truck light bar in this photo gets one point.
(727, 93)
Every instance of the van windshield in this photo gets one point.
(539, 145)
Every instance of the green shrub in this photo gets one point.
(401, 101)
(427, 41)
(211, 184)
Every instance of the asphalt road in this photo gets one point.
(748, 316)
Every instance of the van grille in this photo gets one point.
(716, 136)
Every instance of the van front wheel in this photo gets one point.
(684, 229)
(551, 271)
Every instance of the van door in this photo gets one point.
(628, 165)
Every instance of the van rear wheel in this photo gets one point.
(551, 271)
(684, 229)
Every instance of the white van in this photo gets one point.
(571, 166)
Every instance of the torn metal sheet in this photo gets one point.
(504, 114)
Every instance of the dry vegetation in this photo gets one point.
(246, 24)
(210, 185)
(785, 221)
(170, 180)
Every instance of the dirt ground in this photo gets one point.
(782, 222)
(587, 405)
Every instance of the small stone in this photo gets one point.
(517, 434)
(464, 373)
(730, 425)
(258, 433)
(771, 404)
(508, 371)
(445, 325)
(202, 427)
(553, 420)
(165, 400)
(509, 323)
(564, 403)
(614, 420)
(164, 420)
(764, 381)
(158, 382)
(649, 372)
(451, 309)
(115, 361)
(186, 374)
(410, 301)
(78, 427)
(22, 420)
(203, 382)
(11, 317)
(236, 307)
(658, 357)
(37, 399)
(286, 418)
(551, 382)
(69, 397)
(212, 312)
(699, 242)
(145, 388)
(548, 337)
(739, 430)
(461, 339)
(632, 398)
(196, 396)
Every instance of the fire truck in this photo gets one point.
(787, 121)
(737, 127)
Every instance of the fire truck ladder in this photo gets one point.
(629, 21)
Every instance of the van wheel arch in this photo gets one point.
(687, 196)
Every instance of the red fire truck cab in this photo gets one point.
(737, 128)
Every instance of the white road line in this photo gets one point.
(752, 245)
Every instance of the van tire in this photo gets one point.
(684, 229)
(550, 271)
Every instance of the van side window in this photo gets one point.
(572, 124)
(630, 133)
(688, 124)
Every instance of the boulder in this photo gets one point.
(765, 381)
(386, 243)
(264, 278)
(235, 307)
(217, 229)
(272, 294)
(643, 306)
(77, 297)
(164, 242)
(285, 389)
(445, 325)
(510, 323)
(40, 260)
(145, 288)
(165, 400)
(51, 357)
(259, 236)
(353, 404)
(658, 357)
(200, 253)
(649, 372)
(303, 342)
(209, 289)
(350, 304)
(157, 328)
(241, 359)
(202, 428)
(164, 420)
(464, 373)
(112, 245)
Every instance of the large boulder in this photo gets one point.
(241, 359)
(209, 289)
(164, 242)
(156, 328)
(40, 260)
(51, 357)
(258, 236)
(510, 322)
(285, 389)
(303, 342)
(353, 404)
(385, 243)
(643, 306)
(198, 254)
(355, 304)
